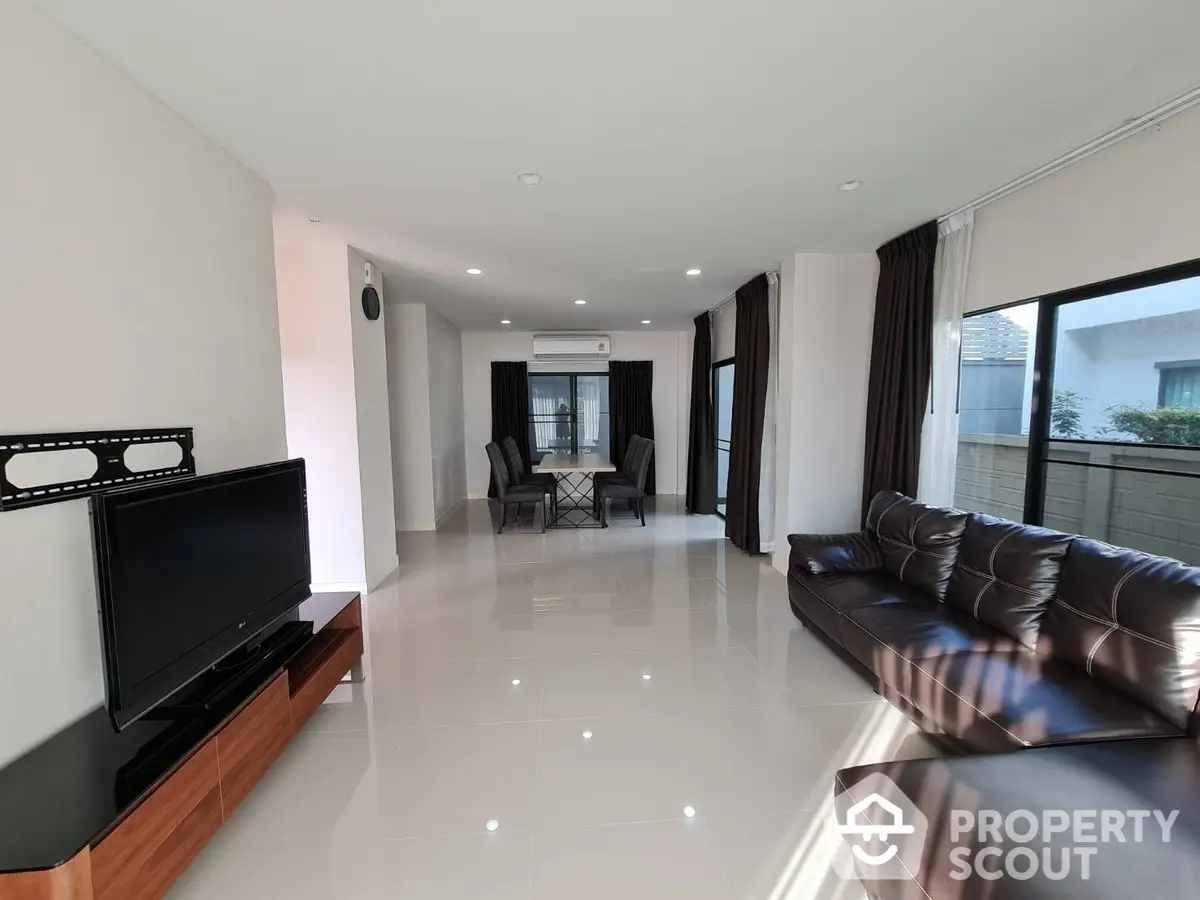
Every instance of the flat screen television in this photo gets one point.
(189, 571)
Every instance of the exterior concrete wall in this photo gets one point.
(1150, 512)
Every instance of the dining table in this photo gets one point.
(576, 486)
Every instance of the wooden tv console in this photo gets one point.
(141, 850)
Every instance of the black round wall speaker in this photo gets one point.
(370, 302)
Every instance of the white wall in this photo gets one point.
(319, 391)
(138, 290)
(336, 393)
(446, 432)
(1129, 208)
(671, 353)
(827, 304)
(374, 429)
(412, 443)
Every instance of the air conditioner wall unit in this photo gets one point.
(571, 346)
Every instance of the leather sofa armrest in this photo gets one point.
(829, 554)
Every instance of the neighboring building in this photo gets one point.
(995, 350)
(1139, 348)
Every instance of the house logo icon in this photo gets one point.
(858, 823)
(882, 831)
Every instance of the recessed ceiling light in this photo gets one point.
(474, 271)
(646, 677)
(314, 219)
(852, 185)
(491, 824)
(580, 302)
(516, 681)
(692, 273)
(506, 321)
(529, 178)
(645, 321)
(587, 735)
(690, 812)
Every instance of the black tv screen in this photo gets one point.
(189, 571)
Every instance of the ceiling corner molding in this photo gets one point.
(1130, 128)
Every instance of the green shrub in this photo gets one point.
(1170, 425)
(1066, 414)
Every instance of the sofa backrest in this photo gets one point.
(1131, 621)
(1007, 574)
(919, 542)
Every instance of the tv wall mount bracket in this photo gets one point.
(111, 470)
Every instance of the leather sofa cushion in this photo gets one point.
(1003, 701)
(1131, 621)
(832, 554)
(919, 543)
(845, 592)
(1007, 573)
(919, 629)
(824, 599)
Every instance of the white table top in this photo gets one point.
(562, 463)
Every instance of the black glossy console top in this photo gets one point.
(71, 790)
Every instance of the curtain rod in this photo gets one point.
(1133, 126)
(772, 275)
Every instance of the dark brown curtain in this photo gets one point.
(901, 363)
(702, 451)
(510, 408)
(631, 411)
(751, 359)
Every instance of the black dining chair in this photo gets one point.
(623, 475)
(509, 494)
(633, 489)
(626, 471)
(518, 475)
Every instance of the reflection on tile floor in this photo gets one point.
(577, 691)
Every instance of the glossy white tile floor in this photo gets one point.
(578, 689)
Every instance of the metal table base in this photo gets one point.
(576, 503)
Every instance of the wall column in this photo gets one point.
(826, 308)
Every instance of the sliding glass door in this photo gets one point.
(1081, 412)
(994, 397)
(723, 410)
(568, 413)
(1121, 458)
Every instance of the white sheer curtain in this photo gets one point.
(939, 436)
(766, 478)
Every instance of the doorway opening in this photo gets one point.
(722, 376)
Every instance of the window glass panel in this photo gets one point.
(1125, 366)
(591, 404)
(1124, 457)
(723, 408)
(995, 390)
(1179, 386)
(550, 417)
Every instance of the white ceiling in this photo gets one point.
(671, 134)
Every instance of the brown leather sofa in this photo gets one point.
(997, 636)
